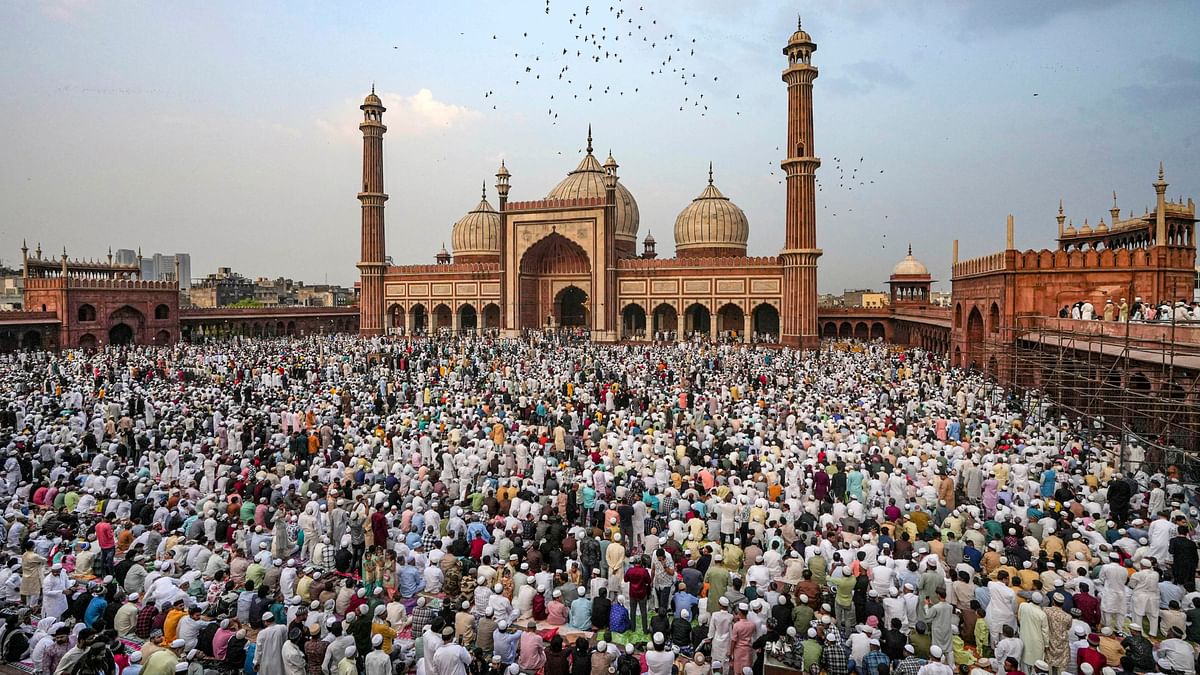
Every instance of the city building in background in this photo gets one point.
(226, 288)
(222, 289)
(12, 289)
(159, 266)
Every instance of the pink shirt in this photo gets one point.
(104, 535)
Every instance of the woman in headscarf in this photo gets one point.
(41, 639)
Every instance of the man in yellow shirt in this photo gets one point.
(380, 627)
(171, 623)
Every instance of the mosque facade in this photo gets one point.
(571, 259)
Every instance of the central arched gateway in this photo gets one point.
(125, 325)
(554, 284)
(120, 334)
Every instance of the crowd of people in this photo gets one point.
(1142, 311)
(337, 505)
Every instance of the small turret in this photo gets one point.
(648, 251)
(502, 176)
(610, 172)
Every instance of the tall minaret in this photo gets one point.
(800, 250)
(373, 263)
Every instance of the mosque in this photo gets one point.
(570, 259)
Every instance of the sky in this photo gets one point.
(228, 130)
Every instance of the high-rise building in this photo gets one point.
(158, 267)
(126, 257)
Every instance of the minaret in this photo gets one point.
(372, 197)
(502, 186)
(800, 252)
(1160, 208)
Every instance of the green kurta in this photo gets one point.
(717, 579)
(1033, 632)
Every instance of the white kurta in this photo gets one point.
(720, 628)
(268, 653)
(54, 597)
(378, 663)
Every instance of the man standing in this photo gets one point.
(1112, 598)
(614, 556)
(1183, 559)
(54, 588)
(1033, 631)
(639, 580)
(943, 625)
(377, 662)
(268, 652)
(1143, 585)
(107, 540)
(451, 658)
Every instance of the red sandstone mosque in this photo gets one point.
(571, 260)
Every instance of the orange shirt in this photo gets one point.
(171, 626)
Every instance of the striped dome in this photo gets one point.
(711, 221)
(478, 232)
(587, 181)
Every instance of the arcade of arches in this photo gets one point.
(728, 322)
(465, 319)
(933, 337)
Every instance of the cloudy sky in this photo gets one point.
(229, 130)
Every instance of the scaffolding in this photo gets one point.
(1134, 388)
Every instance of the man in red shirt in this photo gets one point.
(107, 540)
(639, 580)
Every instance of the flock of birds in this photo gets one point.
(603, 38)
(579, 62)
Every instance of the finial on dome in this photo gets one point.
(710, 173)
(799, 26)
(910, 249)
(372, 86)
(485, 190)
(589, 140)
